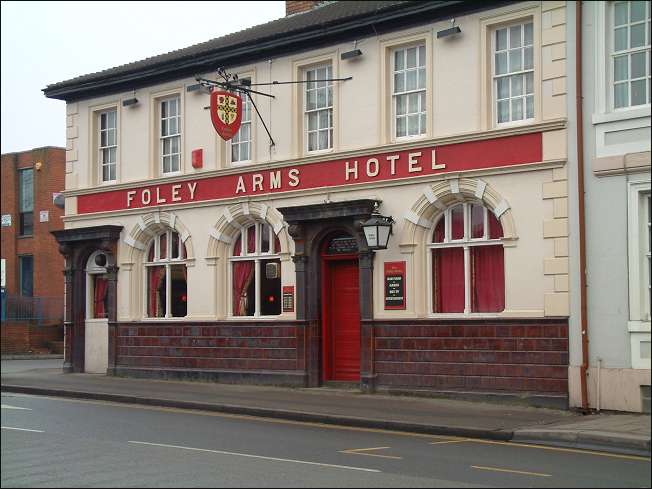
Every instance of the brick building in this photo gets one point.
(244, 261)
(34, 285)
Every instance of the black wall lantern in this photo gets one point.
(377, 230)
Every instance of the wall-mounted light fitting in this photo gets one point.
(351, 54)
(450, 31)
(129, 101)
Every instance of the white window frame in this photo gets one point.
(167, 262)
(613, 54)
(523, 73)
(257, 257)
(421, 92)
(317, 110)
(639, 298)
(164, 137)
(466, 243)
(247, 120)
(106, 149)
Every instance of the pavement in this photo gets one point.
(611, 432)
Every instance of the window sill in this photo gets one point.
(507, 125)
(473, 315)
(622, 115)
(256, 318)
(25, 236)
(638, 326)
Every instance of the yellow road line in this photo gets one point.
(496, 469)
(358, 451)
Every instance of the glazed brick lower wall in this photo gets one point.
(25, 338)
(506, 355)
(223, 346)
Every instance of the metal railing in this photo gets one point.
(36, 310)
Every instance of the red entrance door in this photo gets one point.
(341, 315)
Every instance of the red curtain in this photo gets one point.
(495, 229)
(448, 279)
(155, 276)
(101, 288)
(487, 279)
(243, 273)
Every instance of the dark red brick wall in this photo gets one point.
(473, 355)
(295, 7)
(224, 345)
(26, 338)
(48, 263)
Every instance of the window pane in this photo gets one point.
(530, 106)
(106, 173)
(517, 85)
(311, 100)
(174, 144)
(163, 248)
(175, 246)
(251, 239)
(495, 229)
(621, 95)
(501, 63)
(237, 247)
(529, 62)
(270, 287)
(323, 119)
(103, 120)
(401, 129)
(515, 60)
(178, 291)
(529, 83)
(174, 163)
(448, 279)
(515, 36)
(399, 60)
(323, 140)
(488, 279)
(112, 119)
(457, 222)
(413, 103)
(244, 288)
(264, 238)
(422, 119)
(411, 57)
(477, 221)
(173, 126)
(411, 80)
(638, 64)
(503, 111)
(422, 56)
(637, 35)
(164, 109)
(438, 236)
(517, 109)
(502, 88)
(312, 121)
(422, 101)
(620, 16)
(399, 82)
(637, 11)
(501, 39)
(156, 292)
(99, 296)
(26, 223)
(422, 78)
(620, 68)
(312, 141)
(26, 178)
(321, 99)
(26, 276)
(413, 125)
(528, 34)
(401, 108)
(620, 39)
(638, 92)
(244, 152)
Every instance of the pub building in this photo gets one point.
(396, 220)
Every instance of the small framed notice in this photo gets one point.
(395, 285)
(288, 298)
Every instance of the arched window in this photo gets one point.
(166, 277)
(96, 287)
(467, 264)
(256, 272)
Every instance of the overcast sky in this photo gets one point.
(48, 42)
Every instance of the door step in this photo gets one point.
(339, 384)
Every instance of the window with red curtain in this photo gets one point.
(166, 263)
(255, 272)
(467, 261)
(100, 296)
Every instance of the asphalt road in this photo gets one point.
(76, 443)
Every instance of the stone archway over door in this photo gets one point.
(309, 226)
(77, 245)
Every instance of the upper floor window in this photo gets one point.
(26, 201)
(256, 272)
(170, 122)
(409, 91)
(467, 273)
(318, 108)
(108, 147)
(630, 54)
(26, 271)
(513, 73)
(241, 142)
(166, 282)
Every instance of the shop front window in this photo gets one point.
(467, 263)
(166, 277)
(256, 272)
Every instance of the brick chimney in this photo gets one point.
(297, 7)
